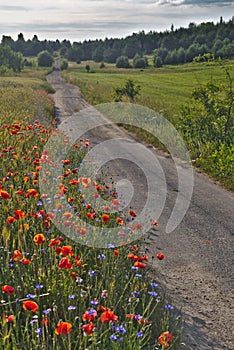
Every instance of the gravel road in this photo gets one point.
(197, 273)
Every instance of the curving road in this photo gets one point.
(197, 273)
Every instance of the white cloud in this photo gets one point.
(84, 19)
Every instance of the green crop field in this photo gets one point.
(163, 89)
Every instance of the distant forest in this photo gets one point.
(172, 46)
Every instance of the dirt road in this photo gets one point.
(198, 270)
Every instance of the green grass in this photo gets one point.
(163, 89)
(30, 77)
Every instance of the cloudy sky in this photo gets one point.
(78, 20)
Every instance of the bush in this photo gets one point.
(64, 65)
(140, 62)
(122, 62)
(45, 59)
(129, 90)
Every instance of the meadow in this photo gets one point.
(56, 293)
(170, 90)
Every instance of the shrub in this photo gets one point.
(45, 59)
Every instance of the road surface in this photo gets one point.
(197, 273)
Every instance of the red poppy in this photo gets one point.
(89, 315)
(4, 194)
(30, 305)
(119, 221)
(105, 218)
(65, 264)
(160, 256)
(17, 255)
(108, 316)
(8, 290)
(165, 338)
(39, 239)
(10, 318)
(25, 261)
(20, 193)
(140, 264)
(154, 223)
(10, 220)
(54, 242)
(88, 328)
(45, 322)
(66, 250)
(31, 193)
(132, 213)
(67, 215)
(116, 252)
(19, 214)
(63, 328)
(74, 182)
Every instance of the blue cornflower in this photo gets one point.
(92, 273)
(169, 307)
(39, 286)
(139, 334)
(71, 307)
(101, 256)
(154, 285)
(153, 294)
(30, 296)
(72, 296)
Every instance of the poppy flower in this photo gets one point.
(30, 305)
(140, 264)
(66, 250)
(160, 256)
(19, 214)
(119, 221)
(25, 261)
(17, 255)
(108, 316)
(4, 194)
(8, 290)
(165, 338)
(132, 213)
(10, 318)
(154, 223)
(105, 218)
(89, 315)
(39, 239)
(63, 328)
(54, 242)
(88, 328)
(10, 220)
(31, 193)
(65, 264)
(116, 252)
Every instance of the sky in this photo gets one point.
(79, 20)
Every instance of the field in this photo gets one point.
(56, 293)
(168, 90)
(162, 89)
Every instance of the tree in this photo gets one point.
(140, 62)
(45, 59)
(129, 90)
(157, 61)
(64, 65)
(122, 62)
(87, 67)
(11, 59)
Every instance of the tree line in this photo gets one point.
(172, 46)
